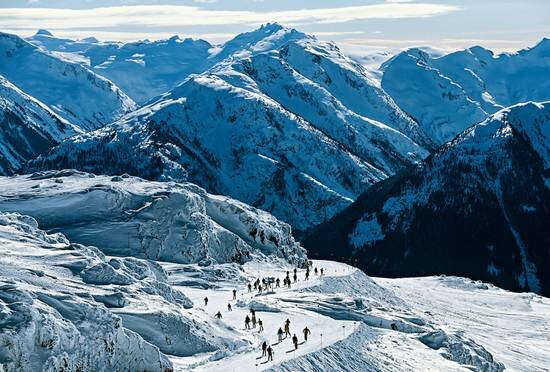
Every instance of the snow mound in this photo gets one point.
(127, 216)
(47, 324)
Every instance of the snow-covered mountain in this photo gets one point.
(478, 207)
(74, 92)
(302, 125)
(27, 128)
(445, 94)
(143, 69)
(164, 221)
(147, 69)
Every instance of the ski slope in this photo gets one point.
(273, 308)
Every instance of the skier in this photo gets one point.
(315, 271)
(307, 273)
(306, 332)
(247, 322)
(205, 301)
(260, 325)
(229, 308)
(295, 277)
(249, 287)
(277, 283)
(218, 315)
(264, 349)
(295, 341)
(280, 334)
(234, 294)
(253, 321)
(253, 312)
(287, 327)
(322, 271)
(269, 354)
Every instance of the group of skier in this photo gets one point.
(250, 321)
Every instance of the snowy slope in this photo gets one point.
(479, 207)
(303, 124)
(448, 93)
(68, 306)
(50, 319)
(27, 128)
(127, 216)
(71, 90)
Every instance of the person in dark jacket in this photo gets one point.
(295, 342)
(270, 353)
(306, 332)
(264, 349)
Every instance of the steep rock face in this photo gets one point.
(127, 216)
(27, 128)
(446, 94)
(479, 207)
(283, 120)
(74, 92)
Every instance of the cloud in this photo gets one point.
(139, 17)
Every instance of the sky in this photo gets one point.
(359, 26)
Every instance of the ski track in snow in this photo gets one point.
(285, 304)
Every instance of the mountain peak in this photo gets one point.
(43, 32)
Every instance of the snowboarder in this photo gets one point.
(260, 325)
(264, 349)
(307, 332)
(249, 287)
(295, 341)
(277, 283)
(229, 308)
(269, 354)
(234, 294)
(247, 322)
(287, 327)
(218, 315)
(280, 334)
(205, 301)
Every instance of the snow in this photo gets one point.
(93, 100)
(448, 93)
(511, 326)
(366, 231)
(154, 316)
(303, 124)
(127, 216)
(29, 127)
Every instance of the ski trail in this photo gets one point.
(325, 331)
